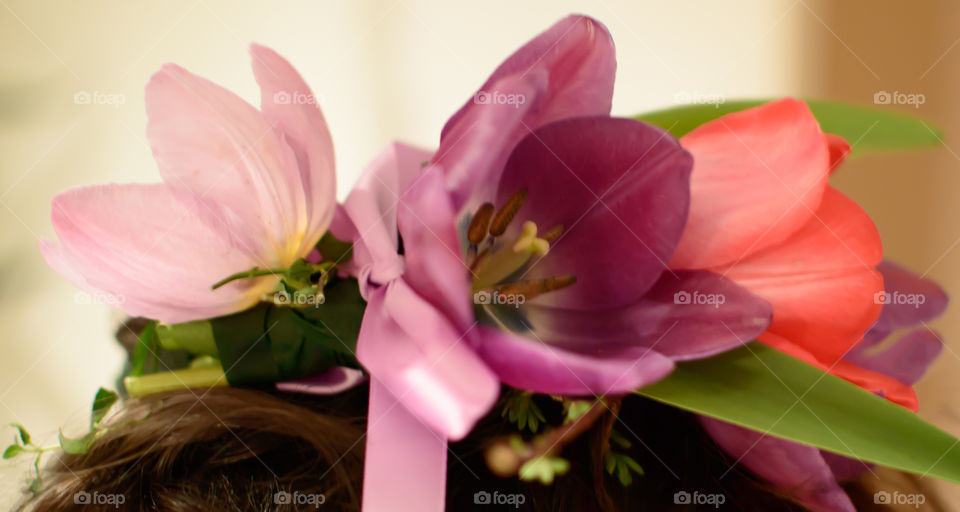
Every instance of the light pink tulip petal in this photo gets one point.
(533, 365)
(434, 266)
(758, 175)
(821, 282)
(426, 363)
(566, 71)
(796, 469)
(209, 141)
(372, 210)
(156, 251)
(288, 103)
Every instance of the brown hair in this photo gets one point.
(231, 449)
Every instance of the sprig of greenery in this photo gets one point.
(23, 442)
(619, 463)
(520, 409)
(544, 468)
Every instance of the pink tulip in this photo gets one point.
(242, 188)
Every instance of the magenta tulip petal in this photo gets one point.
(908, 300)
(906, 360)
(796, 469)
(686, 315)
(426, 363)
(845, 469)
(330, 382)
(155, 250)
(372, 211)
(566, 71)
(287, 102)
(434, 267)
(619, 188)
(219, 147)
(758, 176)
(536, 366)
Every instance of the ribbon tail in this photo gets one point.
(405, 466)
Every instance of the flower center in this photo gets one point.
(499, 263)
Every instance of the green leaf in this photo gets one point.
(143, 349)
(77, 446)
(269, 343)
(866, 128)
(763, 389)
(24, 435)
(12, 451)
(334, 250)
(35, 485)
(102, 403)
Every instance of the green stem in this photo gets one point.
(203, 377)
(254, 272)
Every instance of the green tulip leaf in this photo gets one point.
(763, 389)
(866, 128)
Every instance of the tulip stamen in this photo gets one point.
(535, 287)
(498, 263)
(507, 212)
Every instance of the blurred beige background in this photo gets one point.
(388, 69)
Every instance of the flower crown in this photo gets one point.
(544, 251)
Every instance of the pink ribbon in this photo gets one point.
(405, 467)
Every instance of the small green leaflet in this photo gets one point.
(77, 446)
(758, 387)
(102, 403)
(866, 128)
(24, 435)
(143, 349)
(12, 451)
